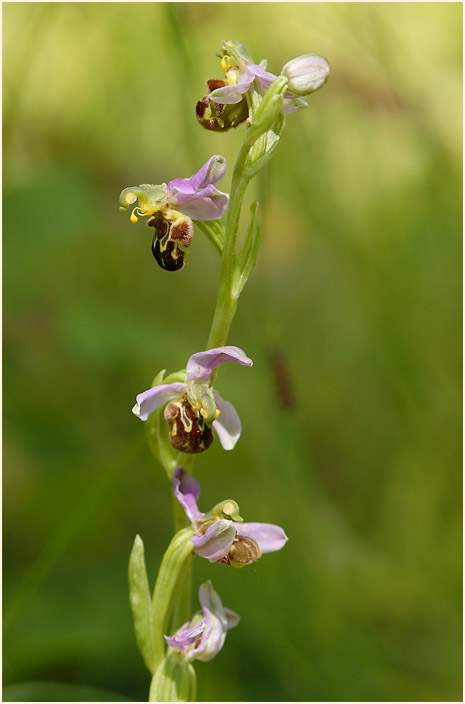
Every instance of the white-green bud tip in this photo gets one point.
(306, 73)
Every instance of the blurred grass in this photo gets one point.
(357, 291)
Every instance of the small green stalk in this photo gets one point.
(227, 301)
(265, 114)
(173, 571)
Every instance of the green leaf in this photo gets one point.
(174, 570)
(141, 603)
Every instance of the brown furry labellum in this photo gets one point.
(243, 552)
(188, 432)
(171, 240)
(219, 117)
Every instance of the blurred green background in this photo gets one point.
(352, 411)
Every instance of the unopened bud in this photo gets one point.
(306, 73)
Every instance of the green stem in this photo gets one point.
(174, 569)
(227, 302)
(263, 113)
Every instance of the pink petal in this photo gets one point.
(201, 365)
(150, 400)
(216, 542)
(228, 424)
(186, 490)
(268, 536)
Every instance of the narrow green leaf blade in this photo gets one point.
(139, 598)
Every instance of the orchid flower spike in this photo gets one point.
(194, 406)
(220, 535)
(215, 112)
(173, 206)
(203, 637)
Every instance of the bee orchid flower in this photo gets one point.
(203, 637)
(194, 406)
(173, 206)
(221, 535)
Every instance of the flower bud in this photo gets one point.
(306, 73)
